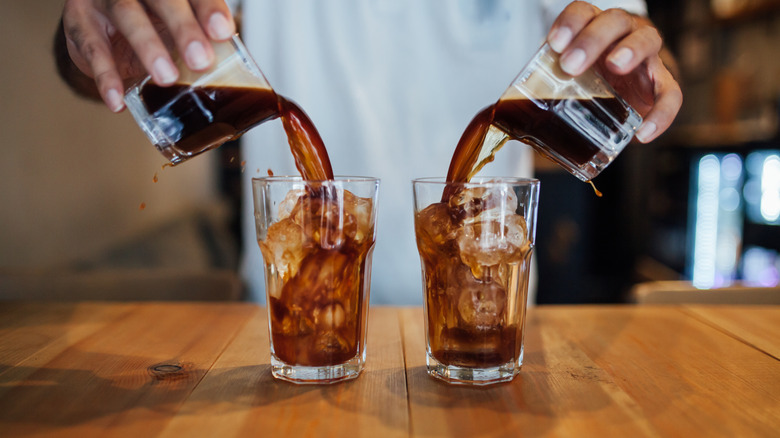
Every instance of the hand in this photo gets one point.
(113, 41)
(627, 49)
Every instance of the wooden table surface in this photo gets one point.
(99, 369)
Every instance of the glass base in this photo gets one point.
(316, 375)
(473, 376)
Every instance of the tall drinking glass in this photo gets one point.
(317, 239)
(475, 246)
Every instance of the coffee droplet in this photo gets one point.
(142, 206)
(154, 178)
(595, 190)
(270, 172)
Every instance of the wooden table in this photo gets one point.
(173, 370)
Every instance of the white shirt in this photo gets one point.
(390, 85)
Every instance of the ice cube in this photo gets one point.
(324, 277)
(330, 343)
(435, 224)
(288, 204)
(330, 217)
(322, 219)
(296, 325)
(291, 321)
(330, 316)
(481, 304)
(284, 247)
(359, 211)
(486, 243)
(472, 201)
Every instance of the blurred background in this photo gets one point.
(702, 203)
(84, 192)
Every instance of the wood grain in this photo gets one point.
(239, 396)
(187, 369)
(687, 378)
(102, 384)
(559, 392)
(755, 325)
(31, 334)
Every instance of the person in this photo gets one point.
(390, 84)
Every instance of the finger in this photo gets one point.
(191, 41)
(668, 100)
(215, 17)
(569, 23)
(132, 21)
(643, 43)
(83, 36)
(596, 38)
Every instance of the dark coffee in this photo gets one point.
(318, 318)
(474, 348)
(318, 313)
(205, 117)
(472, 319)
(306, 145)
(202, 118)
(468, 315)
(465, 160)
(534, 123)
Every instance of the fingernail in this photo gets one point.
(560, 38)
(572, 61)
(622, 57)
(220, 27)
(646, 131)
(196, 55)
(164, 71)
(114, 100)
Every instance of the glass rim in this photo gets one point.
(478, 181)
(246, 57)
(298, 178)
(239, 49)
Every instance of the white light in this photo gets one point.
(770, 173)
(729, 199)
(727, 253)
(752, 192)
(760, 267)
(770, 188)
(731, 167)
(754, 162)
(770, 206)
(706, 226)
